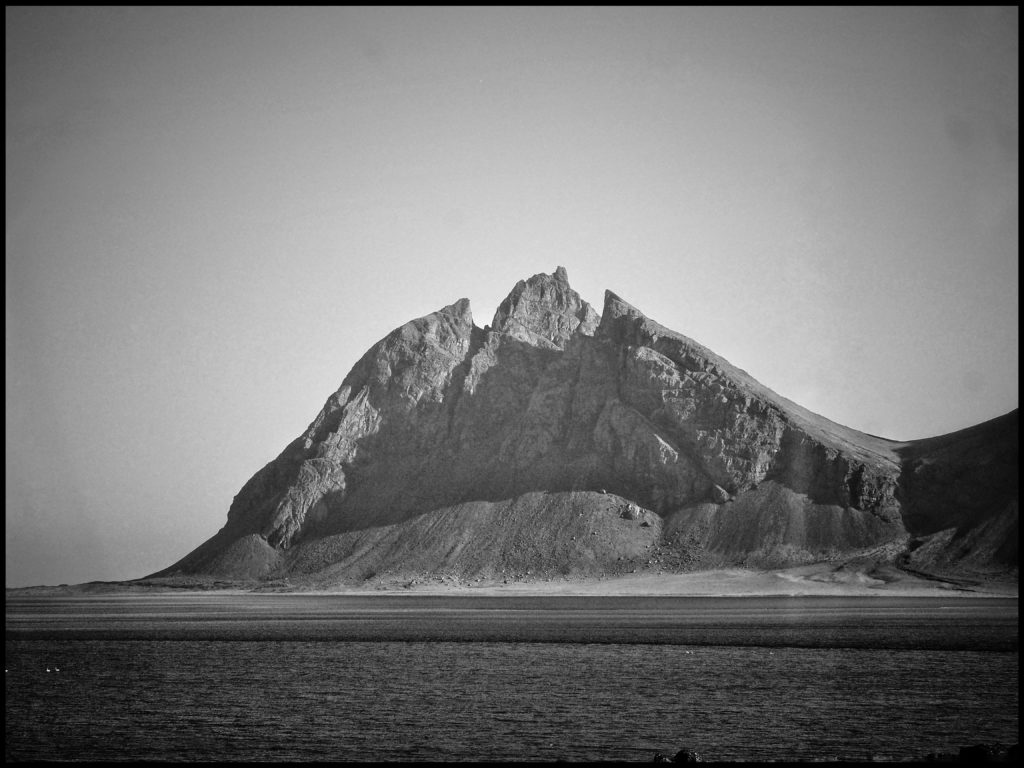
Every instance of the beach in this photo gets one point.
(808, 580)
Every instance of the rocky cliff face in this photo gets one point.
(553, 414)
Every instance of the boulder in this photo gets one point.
(687, 756)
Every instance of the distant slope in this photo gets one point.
(959, 494)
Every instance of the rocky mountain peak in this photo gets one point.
(620, 321)
(461, 310)
(560, 442)
(545, 311)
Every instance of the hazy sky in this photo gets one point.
(213, 212)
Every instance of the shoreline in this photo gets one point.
(818, 580)
(810, 581)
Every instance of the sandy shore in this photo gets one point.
(819, 580)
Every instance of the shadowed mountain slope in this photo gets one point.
(556, 441)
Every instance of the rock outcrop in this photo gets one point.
(478, 451)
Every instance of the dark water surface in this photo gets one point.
(304, 677)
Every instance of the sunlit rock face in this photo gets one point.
(545, 312)
(551, 401)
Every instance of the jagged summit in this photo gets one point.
(460, 309)
(544, 310)
(556, 442)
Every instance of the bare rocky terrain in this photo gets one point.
(559, 446)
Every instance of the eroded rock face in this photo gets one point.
(392, 403)
(551, 397)
(544, 311)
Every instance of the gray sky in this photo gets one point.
(213, 212)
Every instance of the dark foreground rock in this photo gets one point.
(684, 755)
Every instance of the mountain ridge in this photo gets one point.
(554, 407)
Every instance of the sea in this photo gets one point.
(451, 678)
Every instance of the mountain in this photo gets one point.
(558, 442)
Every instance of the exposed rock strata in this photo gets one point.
(551, 409)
